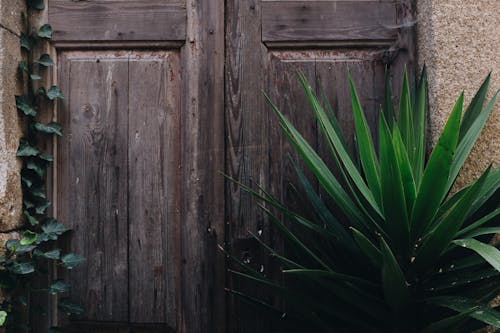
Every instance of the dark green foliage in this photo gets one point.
(410, 255)
(27, 259)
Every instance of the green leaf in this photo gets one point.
(25, 104)
(29, 238)
(483, 231)
(447, 227)
(53, 228)
(405, 120)
(3, 317)
(23, 66)
(336, 144)
(368, 248)
(45, 31)
(25, 149)
(478, 223)
(22, 268)
(37, 4)
(54, 92)
(50, 128)
(31, 219)
(393, 194)
(433, 188)
(35, 77)
(71, 260)
(365, 145)
(42, 207)
(58, 286)
(419, 127)
(53, 254)
(320, 169)
(45, 60)
(468, 140)
(46, 157)
(474, 108)
(27, 42)
(490, 253)
(449, 324)
(461, 304)
(69, 307)
(396, 290)
(35, 167)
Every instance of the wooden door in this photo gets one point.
(266, 42)
(136, 172)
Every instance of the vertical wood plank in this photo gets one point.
(202, 121)
(247, 155)
(95, 164)
(154, 187)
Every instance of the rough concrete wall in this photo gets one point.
(11, 25)
(459, 42)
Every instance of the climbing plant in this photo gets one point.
(27, 258)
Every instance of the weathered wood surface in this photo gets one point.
(202, 141)
(154, 191)
(328, 20)
(108, 20)
(93, 162)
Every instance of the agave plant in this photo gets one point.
(392, 248)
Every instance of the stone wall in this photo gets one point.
(11, 24)
(459, 42)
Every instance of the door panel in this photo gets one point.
(122, 161)
(267, 41)
(105, 20)
(137, 171)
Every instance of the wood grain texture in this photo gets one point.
(247, 151)
(328, 20)
(94, 160)
(202, 121)
(154, 187)
(103, 20)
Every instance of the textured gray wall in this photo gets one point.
(11, 24)
(460, 43)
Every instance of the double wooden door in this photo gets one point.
(163, 95)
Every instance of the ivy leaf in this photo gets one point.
(36, 167)
(24, 104)
(40, 209)
(58, 286)
(26, 181)
(45, 31)
(54, 92)
(68, 307)
(14, 245)
(28, 204)
(31, 219)
(29, 237)
(50, 128)
(26, 150)
(3, 317)
(27, 42)
(38, 192)
(35, 77)
(45, 60)
(53, 254)
(46, 157)
(23, 66)
(37, 4)
(22, 268)
(71, 260)
(53, 229)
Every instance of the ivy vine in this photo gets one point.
(28, 257)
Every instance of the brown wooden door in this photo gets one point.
(136, 173)
(161, 95)
(266, 42)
